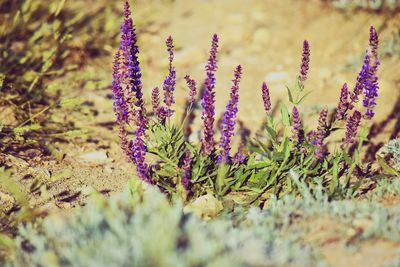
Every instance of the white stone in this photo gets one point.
(277, 77)
(94, 157)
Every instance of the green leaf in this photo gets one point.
(388, 170)
(271, 131)
(335, 176)
(303, 97)
(290, 95)
(221, 178)
(285, 115)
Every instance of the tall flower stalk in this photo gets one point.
(371, 83)
(138, 156)
(120, 107)
(192, 90)
(208, 101)
(305, 62)
(367, 79)
(229, 119)
(360, 82)
(128, 97)
(352, 125)
(373, 41)
(320, 135)
(343, 105)
(266, 98)
(131, 63)
(170, 80)
(297, 127)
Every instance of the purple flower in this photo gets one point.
(131, 63)
(120, 107)
(170, 80)
(373, 41)
(320, 150)
(343, 105)
(187, 162)
(170, 48)
(192, 89)
(361, 78)
(229, 118)
(138, 156)
(162, 114)
(128, 98)
(367, 79)
(266, 98)
(370, 93)
(305, 61)
(297, 127)
(155, 99)
(311, 137)
(208, 101)
(371, 85)
(352, 125)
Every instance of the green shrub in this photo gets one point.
(393, 148)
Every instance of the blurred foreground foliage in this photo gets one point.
(142, 228)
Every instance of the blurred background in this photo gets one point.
(53, 49)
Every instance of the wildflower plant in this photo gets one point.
(164, 156)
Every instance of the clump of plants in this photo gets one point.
(291, 153)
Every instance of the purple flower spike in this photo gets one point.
(169, 88)
(120, 107)
(361, 78)
(297, 127)
(170, 48)
(371, 84)
(373, 41)
(131, 61)
(138, 156)
(155, 99)
(187, 162)
(208, 101)
(170, 80)
(305, 61)
(367, 79)
(229, 118)
(320, 136)
(162, 114)
(266, 98)
(342, 108)
(352, 125)
(128, 97)
(370, 94)
(192, 89)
